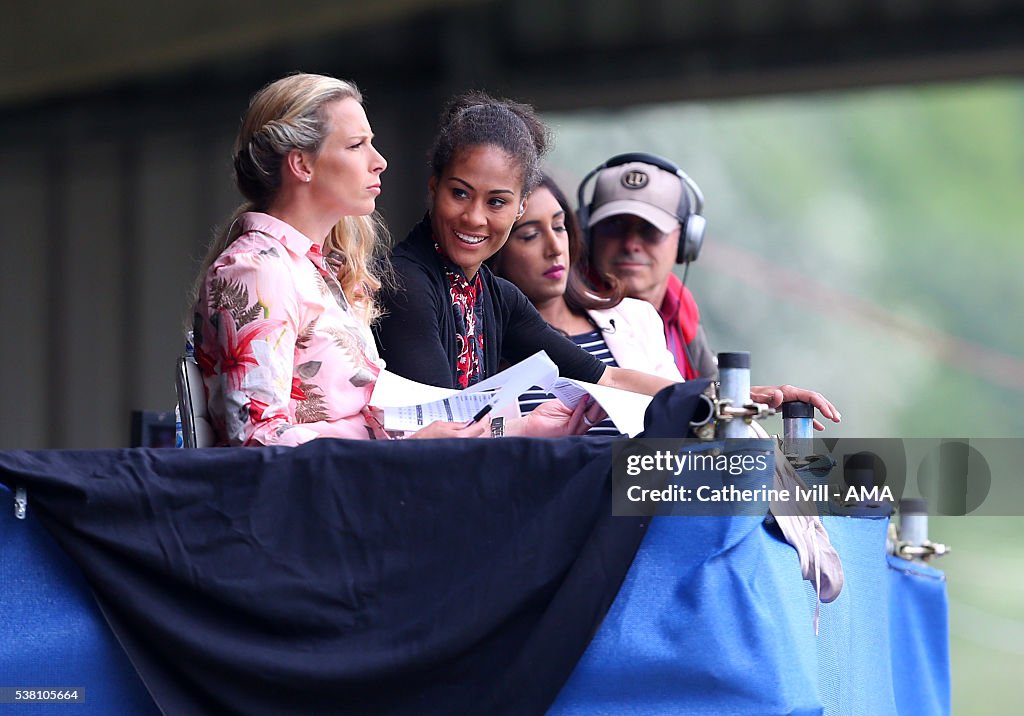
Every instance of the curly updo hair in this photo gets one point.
(476, 119)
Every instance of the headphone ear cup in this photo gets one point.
(691, 238)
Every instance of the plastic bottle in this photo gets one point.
(179, 436)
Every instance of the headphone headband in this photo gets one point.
(660, 162)
(693, 223)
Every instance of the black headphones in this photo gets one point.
(691, 235)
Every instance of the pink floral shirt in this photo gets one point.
(284, 357)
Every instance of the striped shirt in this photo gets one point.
(593, 343)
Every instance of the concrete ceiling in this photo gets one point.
(73, 46)
(560, 53)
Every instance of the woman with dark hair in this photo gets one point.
(545, 257)
(450, 321)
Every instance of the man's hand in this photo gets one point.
(775, 395)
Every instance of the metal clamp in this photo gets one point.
(818, 466)
(715, 410)
(724, 410)
(924, 552)
(20, 502)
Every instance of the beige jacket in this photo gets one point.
(636, 338)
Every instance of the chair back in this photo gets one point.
(196, 429)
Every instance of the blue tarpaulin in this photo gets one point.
(713, 618)
(53, 634)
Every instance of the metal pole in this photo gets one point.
(734, 374)
(914, 521)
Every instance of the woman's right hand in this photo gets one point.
(442, 429)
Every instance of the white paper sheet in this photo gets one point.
(409, 405)
(394, 391)
(458, 408)
(538, 369)
(626, 409)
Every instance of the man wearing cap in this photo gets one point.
(635, 219)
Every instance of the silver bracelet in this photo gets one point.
(497, 427)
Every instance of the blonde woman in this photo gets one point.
(284, 300)
(285, 297)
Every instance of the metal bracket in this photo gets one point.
(20, 502)
(721, 409)
(817, 465)
(705, 432)
(925, 552)
(724, 410)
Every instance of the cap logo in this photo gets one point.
(634, 179)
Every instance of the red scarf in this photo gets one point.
(681, 317)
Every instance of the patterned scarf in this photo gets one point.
(469, 324)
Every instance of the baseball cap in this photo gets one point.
(639, 189)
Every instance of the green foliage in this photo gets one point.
(903, 205)
(892, 226)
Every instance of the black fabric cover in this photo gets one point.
(412, 577)
(668, 415)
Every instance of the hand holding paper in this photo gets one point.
(411, 406)
(625, 409)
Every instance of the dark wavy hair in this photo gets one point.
(476, 119)
(585, 288)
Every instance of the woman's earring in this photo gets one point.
(308, 178)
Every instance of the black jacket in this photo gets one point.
(417, 334)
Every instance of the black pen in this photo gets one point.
(479, 416)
